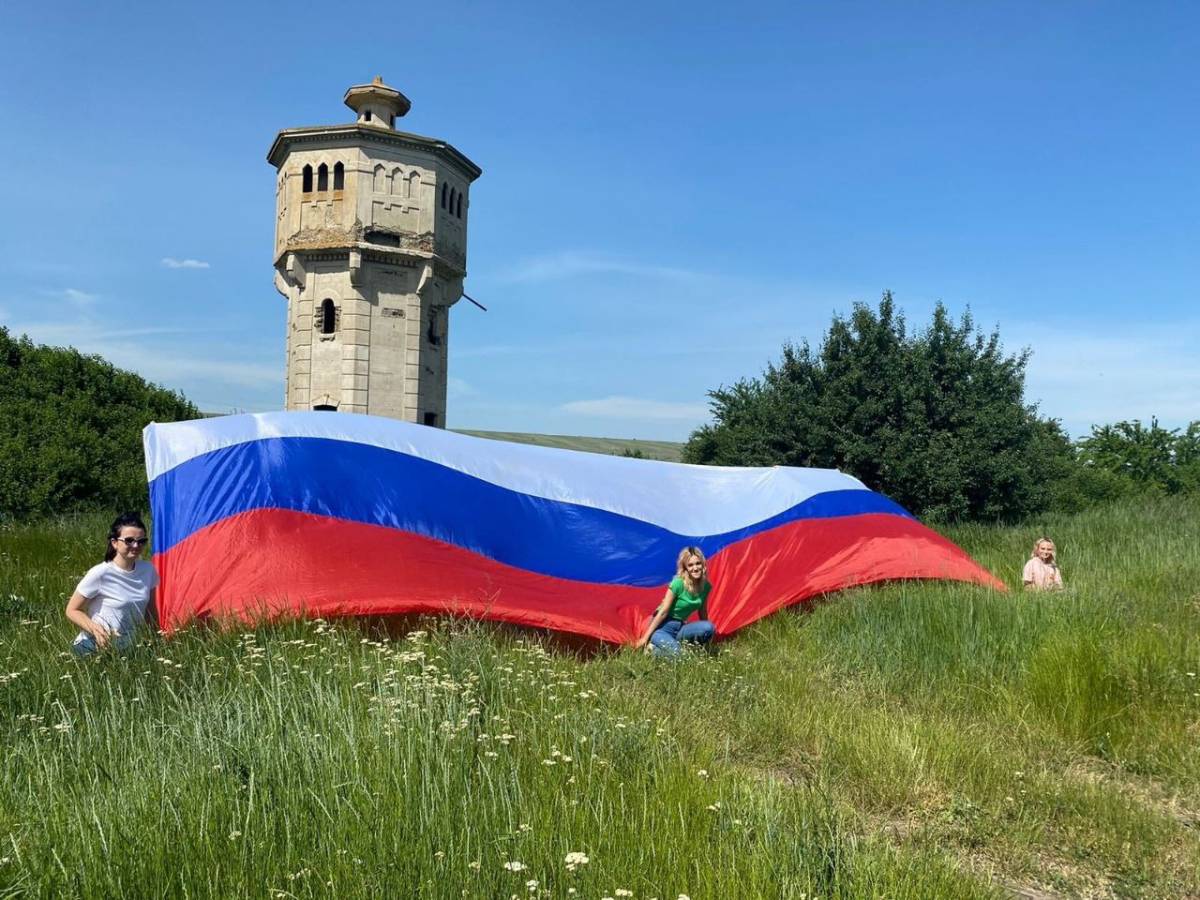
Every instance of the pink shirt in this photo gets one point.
(1041, 576)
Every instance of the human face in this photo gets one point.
(694, 567)
(129, 544)
(1045, 551)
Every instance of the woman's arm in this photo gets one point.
(664, 610)
(152, 610)
(77, 613)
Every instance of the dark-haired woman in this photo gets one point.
(687, 593)
(113, 598)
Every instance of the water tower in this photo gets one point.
(370, 253)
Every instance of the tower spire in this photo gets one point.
(377, 104)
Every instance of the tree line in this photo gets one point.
(934, 417)
(71, 430)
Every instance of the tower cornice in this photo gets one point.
(402, 256)
(352, 134)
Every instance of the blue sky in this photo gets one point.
(670, 190)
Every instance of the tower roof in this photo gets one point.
(356, 134)
(378, 97)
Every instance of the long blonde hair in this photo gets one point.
(1053, 551)
(685, 556)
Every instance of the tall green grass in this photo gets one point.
(909, 740)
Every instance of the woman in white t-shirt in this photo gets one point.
(115, 596)
(1041, 572)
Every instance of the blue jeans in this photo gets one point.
(668, 640)
(87, 645)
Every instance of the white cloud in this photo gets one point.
(457, 388)
(144, 351)
(571, 264)
(1123, 372)
(89, 333)
(637, 408)
(170, 368)
(172, 263)
(494, 350)
(82, 298)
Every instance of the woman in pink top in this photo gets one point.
(1041, 572)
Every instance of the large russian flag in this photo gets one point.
(323, 514)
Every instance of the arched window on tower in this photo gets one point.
(445, 188)
(458, 207)
(339, 177)
(414, 184)
(398, 182)
(453, 194)
(322, 178)
(380, 184)
(326, 318)
(307, 179)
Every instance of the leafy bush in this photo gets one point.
(71, 430)
(936, 419)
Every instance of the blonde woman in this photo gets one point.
(1041, 572)
(687, 593)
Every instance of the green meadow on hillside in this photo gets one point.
(906, 741)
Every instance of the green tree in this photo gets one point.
(935, 419)
(1145, 458)
(71, 430)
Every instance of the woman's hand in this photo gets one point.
(77, 616)
(655, 620)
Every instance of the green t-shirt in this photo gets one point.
(686, 602)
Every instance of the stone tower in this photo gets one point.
(370, 252)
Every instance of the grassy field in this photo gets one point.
(906, 741)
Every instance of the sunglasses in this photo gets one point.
(132, 542)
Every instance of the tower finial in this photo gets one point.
(377, 104)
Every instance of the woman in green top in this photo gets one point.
(687, 593)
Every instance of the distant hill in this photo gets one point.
(665, 450)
